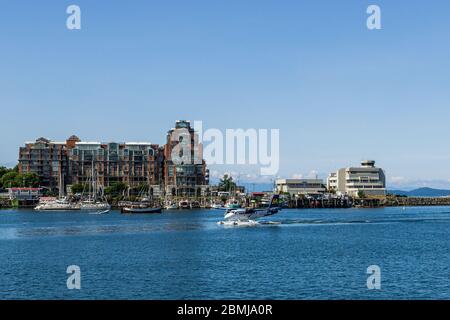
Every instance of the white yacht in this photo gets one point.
(57, 205)
(171, 206)
(217, 205)
(184, 204)
(95, 202)
(60, 204)
(94, 206)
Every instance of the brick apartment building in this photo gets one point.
(187, 175)
(48, 159)
(134, 163)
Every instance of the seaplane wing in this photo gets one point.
(263, 213)
(252, 214)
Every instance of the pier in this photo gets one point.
(315, 203)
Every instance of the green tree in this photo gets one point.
(78, 188)
(142, 188)
(3, 172)
(9, 179)
(116, 188)
(26, 180)
(226, 183)
(361, 194)
(14, 179)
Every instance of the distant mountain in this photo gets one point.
(256, 187)
(421, 192)
(250, 186)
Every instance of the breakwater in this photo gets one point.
(5, 203)
(345, 202)
(312, 203)
(415, 201)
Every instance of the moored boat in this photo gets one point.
(233, 204)
(171, 206)
(217, 206)
(184, 204)
(57, 205)
(195, 205)
(95, 201)
(95, 206)
(141, 210)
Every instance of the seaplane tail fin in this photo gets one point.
(271, 210)
(274, 201)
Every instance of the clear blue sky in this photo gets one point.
(338, 92)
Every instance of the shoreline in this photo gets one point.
(391, 205)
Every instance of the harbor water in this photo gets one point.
(297, 254)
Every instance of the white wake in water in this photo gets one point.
(238, 223)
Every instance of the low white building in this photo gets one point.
(300, 186)
(24, 193)
(367, 178)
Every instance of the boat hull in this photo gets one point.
(95, 208)
(57, 206)
(57, 209)
(184, 205)
(141, 210)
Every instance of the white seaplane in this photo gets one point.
(248, 216)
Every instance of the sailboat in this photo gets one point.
(56, 205)
(60, 204)
(143, 206)
(138, 209)
(171, 206)
(94, 204)
(195, 204)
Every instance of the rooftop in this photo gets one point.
(287, 181)
(138, 144)
(88, 143)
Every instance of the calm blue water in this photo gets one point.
(312, 254)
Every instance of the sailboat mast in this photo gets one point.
(61, 191)
(148, 180)
(90, 184)
(94, 182)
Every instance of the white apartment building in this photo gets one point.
(300, 186)
(367, 178)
